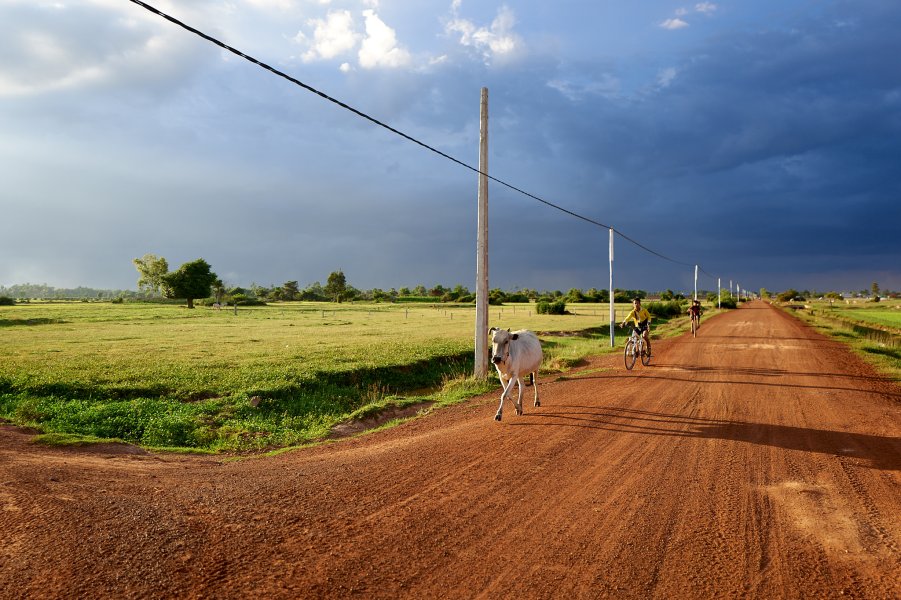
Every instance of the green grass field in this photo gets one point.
(876, 341)
(886, 314)
(279, 375)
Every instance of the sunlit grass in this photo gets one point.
(885, 357)
(164, 376)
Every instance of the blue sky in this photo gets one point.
(759, 140)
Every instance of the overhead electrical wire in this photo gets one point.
(375, 121)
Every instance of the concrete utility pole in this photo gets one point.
(612, 313)
(696, 282)
(719, 294)
(481, 333)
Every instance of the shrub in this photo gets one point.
(728, 302)
(7, 301)
(670, 308)
(557, 307)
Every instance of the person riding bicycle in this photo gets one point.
(641, 320)
(694, 311)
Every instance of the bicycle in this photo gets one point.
(635, 347)
(695, 323)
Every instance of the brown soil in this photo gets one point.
(759, 460)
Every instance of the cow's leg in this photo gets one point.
(519, 397)
(500, 407)
(535, 385)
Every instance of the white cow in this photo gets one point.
(515, 354)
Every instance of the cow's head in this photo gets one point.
(500, 344)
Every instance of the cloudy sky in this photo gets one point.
(760, 140)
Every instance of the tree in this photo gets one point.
(191, 280)
(875, 289)
(789, 295)
(153, 270)
(575, 295)
(218, 290)
(336, 285)
(290, 290)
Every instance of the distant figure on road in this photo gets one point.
(694, 311)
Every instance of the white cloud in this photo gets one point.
(675, 23)
(345, 68)
(379, 47)
(705, 7)
(681, 12)
(279, 5)
(47, 48)
(332, 36)
(666, 76)
(606, 86)
(498, 41)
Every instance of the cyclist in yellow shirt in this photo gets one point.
(641, 321)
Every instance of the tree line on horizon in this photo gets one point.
(195, 280)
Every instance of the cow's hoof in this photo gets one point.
(537, 403)
(497, 417)
(519, 411)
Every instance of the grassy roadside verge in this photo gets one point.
(884, 354)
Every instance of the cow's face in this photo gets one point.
(500, 344)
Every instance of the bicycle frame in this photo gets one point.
(635, 347)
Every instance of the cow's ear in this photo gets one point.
(492, 330)
(515, 336)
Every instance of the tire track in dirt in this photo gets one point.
(758, 460)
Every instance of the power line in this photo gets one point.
(375, 121)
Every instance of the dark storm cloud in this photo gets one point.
(766, 148)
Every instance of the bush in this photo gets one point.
(557, 307)
(7, 301)
(728, 302)
(671, 308)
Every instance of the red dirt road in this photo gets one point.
(759, 460)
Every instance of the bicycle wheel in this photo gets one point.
(629, 354)
(694, 327)
(645, 354)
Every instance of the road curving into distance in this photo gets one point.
(758, 460)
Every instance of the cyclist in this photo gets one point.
(641, 320)
(694, 311)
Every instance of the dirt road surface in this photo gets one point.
(759, 460)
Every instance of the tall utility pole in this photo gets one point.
(481, 333)
(719, 293)
(612, 313)
(696, 282)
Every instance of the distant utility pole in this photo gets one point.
(719, 293)
(612, 310)
(696, 282)
(481, 333)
